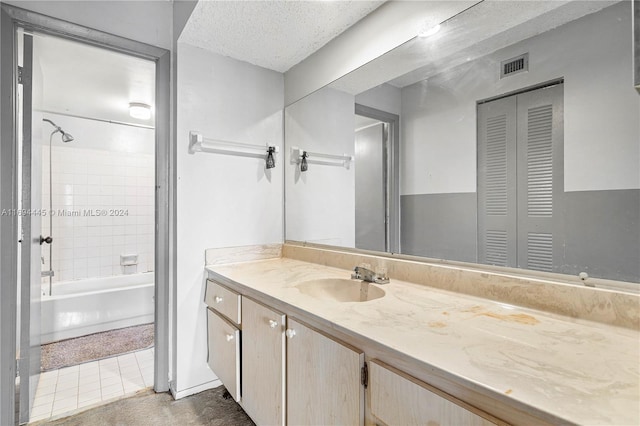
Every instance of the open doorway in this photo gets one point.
(17, 317)
(376, 180)
(87, 168)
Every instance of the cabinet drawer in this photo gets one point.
(224, 352)
(223, 300)
(397, 398)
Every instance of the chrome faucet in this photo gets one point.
(364, 274)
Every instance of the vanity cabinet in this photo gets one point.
(397, 398)
(223, 335)
(287, 372)
(263, 363)
(323, 379)
(224, 352)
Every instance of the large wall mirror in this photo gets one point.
(508, 135)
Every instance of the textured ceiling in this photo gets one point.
(273, 34)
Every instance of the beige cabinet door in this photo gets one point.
(224, 352)
(323, 379)
(399, 399)
(263, 368)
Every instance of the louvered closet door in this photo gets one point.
(540, 177)
(497, 226)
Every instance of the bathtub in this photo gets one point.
(78, 308)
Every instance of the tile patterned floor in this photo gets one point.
(86, 385)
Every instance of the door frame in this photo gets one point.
(30, 274)
(393, 171)
(11, 18)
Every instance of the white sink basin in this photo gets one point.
(341, 290)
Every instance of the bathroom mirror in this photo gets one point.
(509, 136)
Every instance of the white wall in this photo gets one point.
(385, 97)
(222, 200)
(382, 30)
(108, 167)
(146, 21)
(601, 108)
(320, 203)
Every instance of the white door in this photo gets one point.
(371, 187)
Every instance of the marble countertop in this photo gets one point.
(552, 366)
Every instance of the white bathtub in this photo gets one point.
(82, 307)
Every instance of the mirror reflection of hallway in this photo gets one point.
(376, 179)
(371, 185)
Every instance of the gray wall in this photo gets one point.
(602, 234)
(441, 226)
(601, 231)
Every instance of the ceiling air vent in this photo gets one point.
(514, 65)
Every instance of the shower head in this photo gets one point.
(66, 137)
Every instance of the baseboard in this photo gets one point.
(178, 394)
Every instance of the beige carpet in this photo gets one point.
(96, 346)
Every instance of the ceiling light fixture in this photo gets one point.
(428, 30)
(139, 110)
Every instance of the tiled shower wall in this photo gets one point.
(104, 207)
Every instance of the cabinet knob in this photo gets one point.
(229, 337)
(273, 324)
(290, 333)
(217, 299)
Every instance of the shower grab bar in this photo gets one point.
(198, 143)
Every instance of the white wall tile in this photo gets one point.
(79, 253)
(93, 180)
